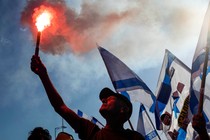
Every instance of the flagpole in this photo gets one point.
(151, 122)
(63, 126)
(130, 124)
(202, 89)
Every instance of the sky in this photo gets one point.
(136, 31)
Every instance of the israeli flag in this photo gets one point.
(172, 90)
(98, 123)
(145, 127)
(197, 69)
(90, 118)
(126, 82)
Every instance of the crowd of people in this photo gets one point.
(116, 109)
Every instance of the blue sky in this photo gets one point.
(139, 40)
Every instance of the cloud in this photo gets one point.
(132, 30)
(141, 40)
(79, 31)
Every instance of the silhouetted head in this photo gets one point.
(39, 133)
(166, 118)
(115, 104)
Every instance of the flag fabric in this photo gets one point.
(144, 125)
(90, 118)
(95, 121)
(172, 90)
(197, 70)
(126, 82)
(81, 114)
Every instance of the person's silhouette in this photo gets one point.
(115, 108)
(39, 133)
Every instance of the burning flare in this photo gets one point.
(43, 17)
(43, 20)
(70, 30)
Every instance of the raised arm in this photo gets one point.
(55, 99)
(199, 125)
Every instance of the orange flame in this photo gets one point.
(43, 18)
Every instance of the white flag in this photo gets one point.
(172, 90)
(125, 81)
(144, 125)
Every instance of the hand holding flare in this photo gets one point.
(43, 20)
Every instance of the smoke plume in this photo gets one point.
(70, 30)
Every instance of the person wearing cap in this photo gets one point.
(116, 110)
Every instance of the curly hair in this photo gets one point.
(39, 133)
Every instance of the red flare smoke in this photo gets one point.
(69, 30)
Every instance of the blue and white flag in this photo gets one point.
(197, 69)
(95, 121)
(144, 125)
(92, 119)
(126, 82)
(172, 90)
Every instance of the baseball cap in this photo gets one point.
(106, 92)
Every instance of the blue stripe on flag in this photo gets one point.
(161, 107)
(130, 83)
(182, 134)
(171, 58)
(152, 108)
(79, 113)
(208, 69)
(193, 101)
(199, 60)
(157, 119)
(175, 108)
(167, 79)
(164, 93)
(142, 108)
(94, 120)
(151, 135)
